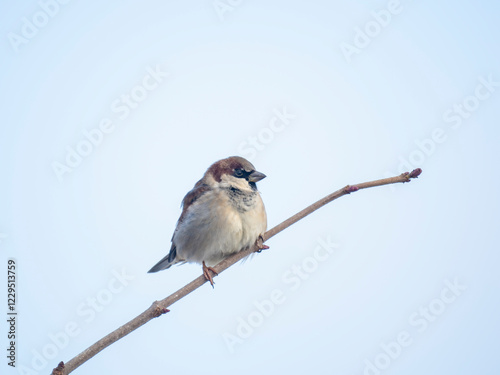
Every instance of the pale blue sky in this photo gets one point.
(166, 88)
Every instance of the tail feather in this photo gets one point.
(166, 262)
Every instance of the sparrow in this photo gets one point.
(221, 215)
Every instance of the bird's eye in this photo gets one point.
(239, 173)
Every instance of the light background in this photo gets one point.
(354, 121)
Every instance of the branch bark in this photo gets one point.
(159, 308)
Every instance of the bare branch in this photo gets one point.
(159, 308)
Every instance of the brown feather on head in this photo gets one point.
(228, 166)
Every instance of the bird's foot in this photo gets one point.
(260, 244)
(206, 273)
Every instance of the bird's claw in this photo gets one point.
(260, 244)
(206, 273)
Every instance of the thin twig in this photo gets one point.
(159, 308)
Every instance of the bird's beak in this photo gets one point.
(256, 176)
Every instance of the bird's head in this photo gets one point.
(236, 172)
